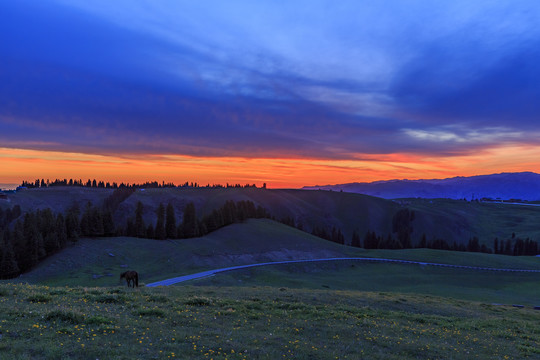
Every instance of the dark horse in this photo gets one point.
(132, 278)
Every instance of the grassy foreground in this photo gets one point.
(40, 322)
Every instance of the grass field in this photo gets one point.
(486, 286)
(188, 322)
(462, 220)
(351, 310)
(98, 262)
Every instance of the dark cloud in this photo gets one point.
(72, 81)
(483, 92)
(66, 93)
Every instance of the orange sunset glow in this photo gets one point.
(338, 95)
(18, 165)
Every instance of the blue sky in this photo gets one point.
(266, 79)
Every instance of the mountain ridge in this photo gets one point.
(504, 186)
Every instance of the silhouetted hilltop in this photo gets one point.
(524, 186)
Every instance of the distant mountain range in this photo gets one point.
(524, 186)
(8, 186)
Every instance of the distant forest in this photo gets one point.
(26, 239)
(108, 185)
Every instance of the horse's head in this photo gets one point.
(123, 275)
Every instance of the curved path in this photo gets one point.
(208, 273)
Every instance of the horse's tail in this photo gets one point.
(136, 279)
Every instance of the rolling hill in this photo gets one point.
(347, 212)
(98, 262)
(452, 220)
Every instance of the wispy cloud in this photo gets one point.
(456, 134)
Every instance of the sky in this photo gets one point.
(285, 93)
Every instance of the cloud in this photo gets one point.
(482, 73)
(306, 80)
(453, 134)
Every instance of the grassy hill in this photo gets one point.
(326, 209)
(348, 212)
(453, 220)
(59, 199)
(98, 262)
(462, 219)
(41, 322)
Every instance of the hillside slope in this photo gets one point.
(458, 220)
(348, 212)
(97, 262)
(452, 220)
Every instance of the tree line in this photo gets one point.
(34, 236)
(191, 226)
(400, 238)
(108, 185)
(519, 247)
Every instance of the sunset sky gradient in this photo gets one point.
(284, 93)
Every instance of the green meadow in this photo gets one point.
(486, 286)
(98, 262)
(201, 322)
(462, 219)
